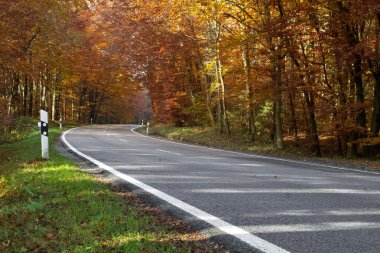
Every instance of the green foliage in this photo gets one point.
(198, 111)
(264, 120)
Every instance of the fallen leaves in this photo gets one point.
(49, 236)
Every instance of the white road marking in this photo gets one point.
(140, 167)
(204, 157)
(123, 140)
(103, 148)
(252, 240)
(101, 134)
(169, 152)
(286, 191)
(260, 156)
(325, 226)
(308, 212)
(318, 227)
(146, 154)
(109, 149)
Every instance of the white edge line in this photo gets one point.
(261, 156)
(250, 239)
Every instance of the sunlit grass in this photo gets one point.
(52, 206)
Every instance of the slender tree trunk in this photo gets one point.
(31, 97)
(225, 121)
(313, 122)
(72, 109)
(25, 96)
(361, 118)
(375, 121)
(249, 92)
(219, 112)
(190, 80)
(208, 100)
(214, 36)
(15, 96)
(53, 102)
(100, 102)
(294, 124)
(276, 77)
(310, 102)
(82, 96)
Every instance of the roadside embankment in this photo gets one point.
(237, 141)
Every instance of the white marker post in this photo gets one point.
(44, 134)
(60, 123)
(142, 122)
(147, 128)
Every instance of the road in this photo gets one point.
(251, 203)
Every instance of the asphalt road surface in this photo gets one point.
(251, 203)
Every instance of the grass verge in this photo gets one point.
(239, 142)
(52, 206)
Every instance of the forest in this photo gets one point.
(305, 71)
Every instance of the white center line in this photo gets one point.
(251, 165)
(123, 140)
(109, 149)
(205, 157)
(169, 152)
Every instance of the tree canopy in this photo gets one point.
(274, 69)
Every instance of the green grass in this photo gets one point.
(52, 206)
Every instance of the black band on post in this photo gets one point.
(44, 128)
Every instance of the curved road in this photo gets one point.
(251, 203)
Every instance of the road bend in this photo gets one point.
(250, 203)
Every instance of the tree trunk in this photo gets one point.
(25, 96)
(276, 75)
(361, 118)
(81, 102)
(313, 123)
(375, 121)
(53, 102)
(294, 124)
(15, 96)
(249, 92)
(31, 98)
(205, 80)
(225, 121)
